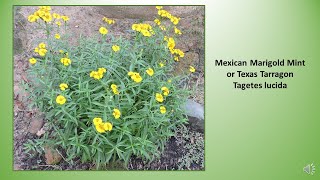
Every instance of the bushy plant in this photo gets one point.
(108, 98)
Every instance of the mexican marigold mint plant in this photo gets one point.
(108, 98)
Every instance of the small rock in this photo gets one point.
(36, 124)
(195, 111)
(52, 156)
(40, 132)
(192, 140)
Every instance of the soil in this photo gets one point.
(191, 42)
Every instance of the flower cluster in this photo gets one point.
(159, 97)
(100, 126)
(135, 76)
(129, 108)
(157, 21)
(41, 49)
(98, 74)
(165, 14)
(109, 21)
(145, 29)
(114, 89)
(65, 61)
(44, 13)
(171, 46)
(63, 86)
(165, 91)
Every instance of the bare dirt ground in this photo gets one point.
(85, 21)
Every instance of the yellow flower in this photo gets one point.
(36, 49)
(163, 109)
(100, 126)
(61, 51)
(65, 61)
(55, 15)
(157, 21)
(174, 20)
(134, 26)
(130, 73)
(61, 99)
(47, 17)
(135, 76)
(102, 70)
(192, 69)
(108, 126)
(65, 18)
(145, 29)
(179, 52)
(98, 74)
(45, 8)
(113, 86)
(57, 36)
(39, 13)
(159, 7)
(176, 58)
(116, 113)
(58, 23)
(146, 33)
(42, 45)
(63, 86)
(32, 18)
(159, 97)
(171, 43)
(103, 30)
(165, 91)
(97, 121)
(169, 80)
(110, 21)
(150, 72)
(32, 61)
(177, 31)
(114, 89)
(115, 48)
(42, 52)
(163, 13)
(161, 64)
